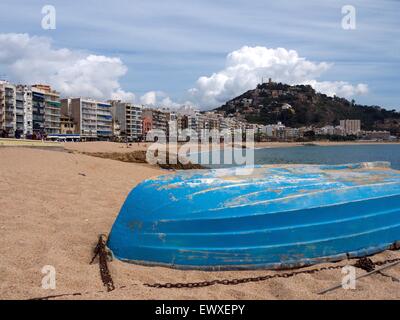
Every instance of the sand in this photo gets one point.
(102, 146)
(53, 206)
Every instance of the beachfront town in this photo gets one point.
(39, 112)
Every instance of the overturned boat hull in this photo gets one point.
(262, 217)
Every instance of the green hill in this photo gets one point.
(301, 105)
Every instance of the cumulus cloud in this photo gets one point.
(122, 95)
(338, 88)
(32, 59)
(158, 98)
(245, 68)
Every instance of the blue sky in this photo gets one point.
(167, 46)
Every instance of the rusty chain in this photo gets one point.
(253, 279)
(101, 251)
(225, 281)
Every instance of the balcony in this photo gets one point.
(53, 104)
(103, 113)
(89, 114)
(89, 122)
(51, 114)
(104, 106)
(108, 120)
(103, 126)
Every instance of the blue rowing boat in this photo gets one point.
(264, 217)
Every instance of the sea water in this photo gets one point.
(340, 154)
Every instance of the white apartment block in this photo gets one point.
(28, 109)
(275, 130)
(129, 118)
(197, 122)
(24, 115)
(351, 126)
(104, 120)
(92, 119)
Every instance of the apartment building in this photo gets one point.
(67, 125)
(24, 115)
(46, 110)
(276, 131)
(351, 126)
(7, 109)
(375, 135)
(92, 119)
(129, 118)
(104, 120)
(153, 119)
(212, 121)
(196, 122)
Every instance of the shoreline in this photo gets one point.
(263, 145)
(107, 146)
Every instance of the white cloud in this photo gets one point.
(338, 88)
(158, 98)
(149, 98)
(124, 96)
(245, 68)
(31, 60)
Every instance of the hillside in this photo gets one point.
(301, 105)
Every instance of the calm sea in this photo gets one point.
(327, 155)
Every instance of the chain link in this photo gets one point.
(237, 281)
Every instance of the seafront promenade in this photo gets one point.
(6, 142)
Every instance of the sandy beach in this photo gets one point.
(54, 204)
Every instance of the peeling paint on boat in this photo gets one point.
(263, 217)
